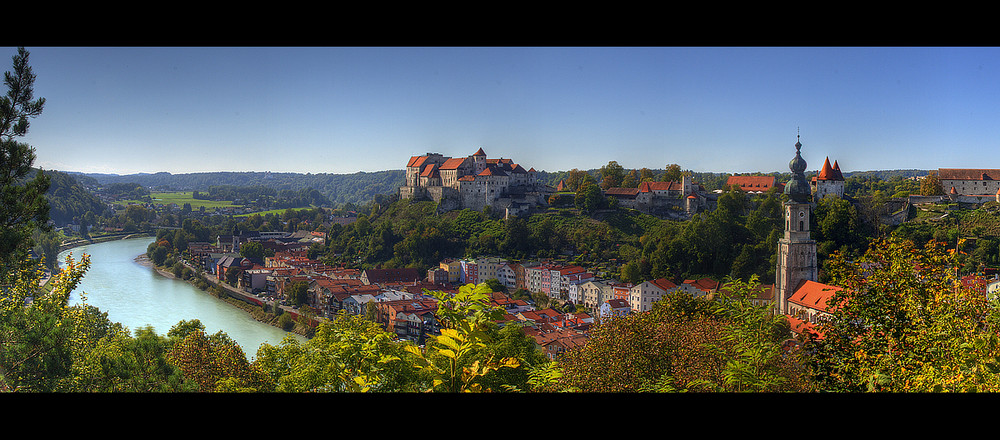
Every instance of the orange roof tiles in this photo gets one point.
(660, 186)
(416, 161)
(704, 284)
(814, 295)
(968, 174)
(493, 171)
(621, 191)
(430, 171)
(829, 173)
(453, 163)
(753, 183)
(664, 284)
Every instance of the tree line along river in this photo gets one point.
(135, 295)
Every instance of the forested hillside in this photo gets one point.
(338, 188)
(68, 199)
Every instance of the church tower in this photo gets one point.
(796, 250)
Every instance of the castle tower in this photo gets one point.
(478, 162)
(829, 181)
(796, 250)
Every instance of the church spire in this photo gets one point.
(796, 250)
(797, 188)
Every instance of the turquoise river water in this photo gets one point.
(136, 295)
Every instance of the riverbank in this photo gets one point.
(104, 238)
(232, 296)
(44, 281)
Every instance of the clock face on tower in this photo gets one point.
(802, 214)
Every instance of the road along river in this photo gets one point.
(136, 295)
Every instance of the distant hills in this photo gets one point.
(357, 188)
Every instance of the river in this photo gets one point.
(136, 295)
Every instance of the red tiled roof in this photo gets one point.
(617, 303)
(664, 284)
(430, 171)
(814, 295)
(492, 171)
(480, 152)
(968, 174)
(620, 191)
(660, 186)
(453, 163)
(753, 183)
(801, 327)
(828, 172)
(705, 284)
(416, 161)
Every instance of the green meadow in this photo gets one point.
(180, 198)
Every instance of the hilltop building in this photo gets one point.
(828, 182)
(473, 182)
(664, 198)
(970, 181)
(755, 184)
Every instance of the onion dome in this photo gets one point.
(798, 188)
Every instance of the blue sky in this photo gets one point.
(343, 110)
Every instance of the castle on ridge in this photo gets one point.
(474, 182)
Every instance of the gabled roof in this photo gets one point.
(660, 186)
(617, 303)
(619, 192)
(754, 183)
(663, 283)
(416, 161)
(430, 171)
(480, 152)
(968, 174)
(493, 171)
(814, 295)
(453, 163)
(704, 284)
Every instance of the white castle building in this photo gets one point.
(473, 182)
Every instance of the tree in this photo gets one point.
(589, 199)
(612, 175)
(23, 206)
(121, 363)
(347, 354)
(38, 332)
(688, 344)
(905, 323)
(631, 179)
(215, 363)
(931, 185)
(253, 250)
(574, 178)
(456, 360)
(298, 293)
(672, 173)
